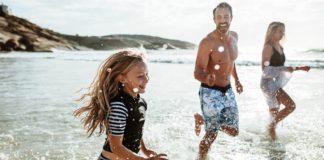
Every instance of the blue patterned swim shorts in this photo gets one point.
(219, 108)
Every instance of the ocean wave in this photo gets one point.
(315, 50)
(169, 57)
(319, 64)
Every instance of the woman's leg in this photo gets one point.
(276, 115)
(273, 124)
(284, 98)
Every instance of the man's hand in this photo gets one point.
(211, 79)
(239, 87)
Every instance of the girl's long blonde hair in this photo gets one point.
(272, 28)
(104, 88)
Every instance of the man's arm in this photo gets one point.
(231, 42)
(234, 74)
(238, 85)
(202, 60)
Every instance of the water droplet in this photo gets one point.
(109, 70)
(266, 63)
(220, 49)
(217, 66)
(135, 90)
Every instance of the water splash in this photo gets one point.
(135, 90)
(216, 67)
(266, 63)
(221, 49)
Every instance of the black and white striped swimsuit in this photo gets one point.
(126, 118)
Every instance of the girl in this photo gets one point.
(276, 75)
(115, 106)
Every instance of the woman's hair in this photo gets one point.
(104, 88)
(272, 28)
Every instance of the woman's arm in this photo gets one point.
(266, 56)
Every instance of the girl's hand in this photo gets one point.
(160, 156)
(149, 153)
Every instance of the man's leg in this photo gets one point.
(205, 145)
(199, 120)
(230, 131)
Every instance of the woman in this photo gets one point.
(275, 76)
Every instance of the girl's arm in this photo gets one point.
(120, 150)
(151, 154)
(147, 152)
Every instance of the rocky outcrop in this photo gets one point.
(21, 35)
(129, 41)
(18, 34)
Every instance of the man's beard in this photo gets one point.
(223, 27)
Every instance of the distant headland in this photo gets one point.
(18, 34)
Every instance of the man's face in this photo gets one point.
(222, 19)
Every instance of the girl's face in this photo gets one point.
(136, 79)
(280, 32)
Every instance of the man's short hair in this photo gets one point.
(223, 5)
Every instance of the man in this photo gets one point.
(214, 66)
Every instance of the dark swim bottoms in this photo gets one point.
(101, 157)
(222, 89)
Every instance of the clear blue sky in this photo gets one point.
(188, 20)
